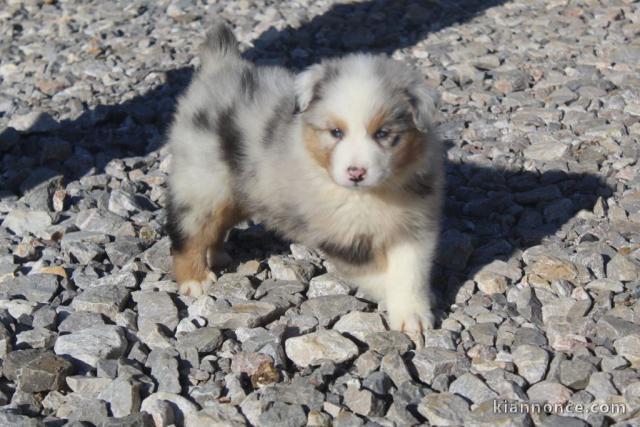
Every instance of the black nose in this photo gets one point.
(356, 174)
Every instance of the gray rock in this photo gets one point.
(90, 344)
(154, 308)
(378, 382)
(158, 256)
(546, 151)
(83, 408)
(279, 288)
(103, 222)
(164, 370)
(108, 300)
(549, 391)
(395, 367)
(288, 269)
(367, 362)
(359, 325)
(557, 420)
(34, 287)
(575, 374)
(347, 419)
(82, 252)
(299, 393)
(328, 309)
(445, 409)
(123, 203)
(217, 414)
(601, 386)
(532, 362)
(529, 306)
(204, 340)
(36, 338)
(363, 402)
(45, 317)
(623, 268)
(383, 342)
(529, 336)
(123, 397)
(472, 388)
(179, 409)
(629, 348)
(21, 221)
(221, 314)
(87, 385)
(230, 286)
(484, 333)
(283, 414)
(162, 412)
(490, 282)
(430, 362)
(123, 250)
(498, 414)
(79, 320)
(36, 371)
(16, 420)
(141, 419)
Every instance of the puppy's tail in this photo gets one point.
(219, 45)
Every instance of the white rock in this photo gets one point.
(310, 349)
(327, 284)
(359, 324)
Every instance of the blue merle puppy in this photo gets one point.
(340, 157)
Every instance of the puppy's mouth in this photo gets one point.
(356, 186)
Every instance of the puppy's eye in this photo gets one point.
(336, 133)
(381, 134)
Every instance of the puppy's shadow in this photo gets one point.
(86, 144)
(491, 213)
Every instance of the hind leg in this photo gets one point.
(207, 232)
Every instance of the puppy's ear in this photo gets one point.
(307, 84)
(424, 104)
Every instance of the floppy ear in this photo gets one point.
(306, 85)
(424, 104)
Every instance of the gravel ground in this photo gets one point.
(539, 263)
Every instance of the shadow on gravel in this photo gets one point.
(489, 212)
(74, 148)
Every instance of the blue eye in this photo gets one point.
(381, 134)
(337, 133)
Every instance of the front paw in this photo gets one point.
(191, 288)
(412, 318)
(196, 288)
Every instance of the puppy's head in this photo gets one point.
(366, 119)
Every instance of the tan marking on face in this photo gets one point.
(319, 151)
(337, 122)
(409, 150)
(376, 122)
(190, 264)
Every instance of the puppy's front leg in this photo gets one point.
(407, 289)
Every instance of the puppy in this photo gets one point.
(340, 157)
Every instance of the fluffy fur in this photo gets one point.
(340, 157)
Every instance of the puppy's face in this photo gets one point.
(366, 119)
